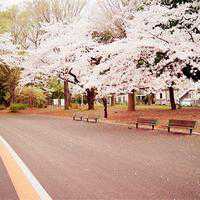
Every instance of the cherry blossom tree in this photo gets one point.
(160, 48)
(177, 55)
(168, 41)
(49, 57)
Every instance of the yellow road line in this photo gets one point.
(24, 189)
(25, 183)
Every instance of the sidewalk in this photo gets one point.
(7, 190)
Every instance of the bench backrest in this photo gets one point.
(147, 121)
(78, 114)
(183, 123)
(93, 116)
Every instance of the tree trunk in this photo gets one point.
(31, 100)
(91, 98)
(113, 100)
(59, 102)
(153, 98)
(105, 104)
(172, 99)
(12, 95)
(82, 100)
(149, 99)
(131, 101)
(66, 95)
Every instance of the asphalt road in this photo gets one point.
(79, 160)
(7, 191)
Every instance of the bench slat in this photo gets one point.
(182, 123)
(89, 117)
(92, 117)
(151, 122)
(77, 116)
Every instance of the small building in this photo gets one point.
(190, 95)
(162, 97)
(58, 102)
(123, 98)
(191, 98)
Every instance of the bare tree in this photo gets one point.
(26, 29)
(66, 10)
(40, 10)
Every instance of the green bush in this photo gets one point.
(15, 107)
(2, 107)
(33, 96)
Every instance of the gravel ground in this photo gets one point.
(79, 160)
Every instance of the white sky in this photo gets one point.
(10, 2)
(7, 3)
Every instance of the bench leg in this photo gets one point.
(96, 120)
(87, 119)
(168, 128)
(190, 131)
(152, 127)
(73, 118)
(136, 125)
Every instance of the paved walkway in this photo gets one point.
(77, 160)
(7, 191)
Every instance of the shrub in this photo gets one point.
(32, 96)
(105, 36)
(2, 107)
(15, 107)
(74, 106)
(78, 99)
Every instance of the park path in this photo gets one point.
(78, 160)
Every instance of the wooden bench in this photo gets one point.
(182, 123)
(77, 116)
(150, 122)
(92, 118)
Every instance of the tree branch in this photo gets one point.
(159, 38)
